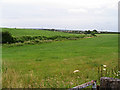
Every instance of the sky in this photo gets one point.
(60, 14)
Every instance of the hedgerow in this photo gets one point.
(8, 38)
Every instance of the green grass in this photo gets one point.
(52, 64)
(32, 36)
(32, 32)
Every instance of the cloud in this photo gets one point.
(77, 10)
(61, 13)
(99, 12)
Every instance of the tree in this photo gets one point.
(95, 31)
(88, 32)
(7, 37)
(85, 32)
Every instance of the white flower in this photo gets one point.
(104, 69)
(76, 71)
(104, 66)
(119, 72)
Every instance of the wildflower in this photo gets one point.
(118, 72)
(104, 69)
(76, 71)
(71, 83)
(104, 66)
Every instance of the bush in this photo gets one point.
(93, 33)
(7, 37)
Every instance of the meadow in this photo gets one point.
(33, 32)
(51, 65)
(32, 36)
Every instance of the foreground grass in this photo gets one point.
(52, 64)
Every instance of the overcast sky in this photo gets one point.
(62, 14)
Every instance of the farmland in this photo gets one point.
(51, 65)
(27, 36)
(23, 32)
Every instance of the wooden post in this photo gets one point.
(107, 83)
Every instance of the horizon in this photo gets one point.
(38, 28)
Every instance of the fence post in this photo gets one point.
(107, 83)
(94, 86)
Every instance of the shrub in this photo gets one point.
(93, 33)
(44, 38)
(27, 38)
(38, 37)
(7, 37)
(18, 39)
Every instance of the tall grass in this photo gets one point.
(106, 71)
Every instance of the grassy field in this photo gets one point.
(32, 32)
(52, 64)
(31, 36)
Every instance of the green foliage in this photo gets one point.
(107, 72)
(21, 35)
(32, 32)
(36, 39)
(7, 37)
(87, 32)
(93, 33)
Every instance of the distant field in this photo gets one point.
(31, 32)
(52, 64)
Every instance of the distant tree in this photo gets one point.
(52, 29)
(95, 31)
(85, 33)
(88, 32)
